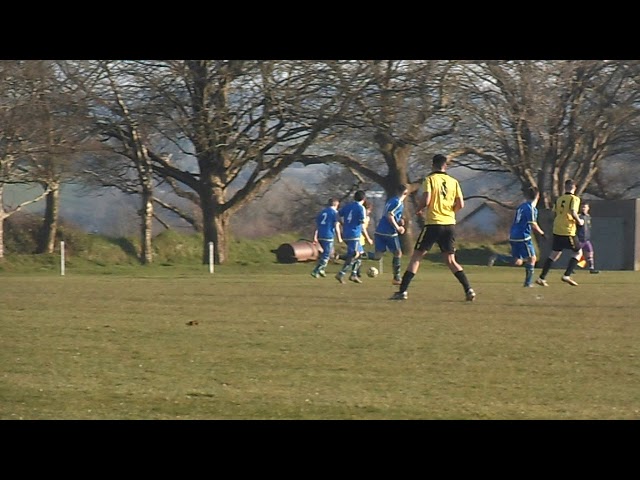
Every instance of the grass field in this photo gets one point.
(268, 341)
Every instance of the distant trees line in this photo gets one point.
(204, 138)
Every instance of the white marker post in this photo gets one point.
(62, 258)
(210, 257)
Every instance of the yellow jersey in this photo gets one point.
(365, 225)
(563, 223)
(444, 190)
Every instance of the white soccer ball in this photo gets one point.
(372, 272)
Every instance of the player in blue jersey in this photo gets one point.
(364, 238)
(390, 225)
(327, 230)
(522, 248)
(353, 216)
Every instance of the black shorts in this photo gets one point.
(565, 242)
(443, 235)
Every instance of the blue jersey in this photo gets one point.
(353, 215)
(526, 214)
(326, 223)
(394, 207)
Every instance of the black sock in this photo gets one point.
(462, 278)
(571, 267)
(545, 268)
(406, 280)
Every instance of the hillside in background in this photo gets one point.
(107, 211)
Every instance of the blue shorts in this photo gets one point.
(353, 247)
(386, 242)
(327, 248)
(522, 249)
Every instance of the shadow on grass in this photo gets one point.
(474, 256)
(126, 246)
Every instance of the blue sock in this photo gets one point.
(528, 269)
(396, 266)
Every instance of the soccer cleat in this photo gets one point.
(528, 285)
(315, 274)
(470, 294)
(322, 273)
(399, 296)
(396, 281)
(569, 280)
(593, 270)
(340, 277)
(355, 279)
(492, 260)
(542, 282)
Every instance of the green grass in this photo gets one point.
(268, 341)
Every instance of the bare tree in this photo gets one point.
(118, 107)
(236, 125)
(15, 137)
(546, 121)
(402, 112)
(58, 129)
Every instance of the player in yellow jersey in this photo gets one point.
(565, 224)
(441, 199)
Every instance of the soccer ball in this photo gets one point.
(372, 272)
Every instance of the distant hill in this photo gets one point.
(109, 212)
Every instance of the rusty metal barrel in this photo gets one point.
(300, 251)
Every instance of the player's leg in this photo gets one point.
(424, 242)
(589, 254)
(447, 244)
(556, 251)
(523, 252)
(396, 261)
(574, 246)
(357, 262)
(355, 269)
(497, 257)
(327, 248)
(379, 246)
(352, 251)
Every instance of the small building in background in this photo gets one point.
(615, 234)
(487, 219)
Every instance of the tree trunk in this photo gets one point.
(2, 218)
(407, 240)
(146, 227)
(49, 229)
(216, 230)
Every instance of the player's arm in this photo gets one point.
(576, 217)
(422, 203)
(458, 203)
(537, 228)
(315, 236)
(339, 232)
(574, 207)
(392, 220)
